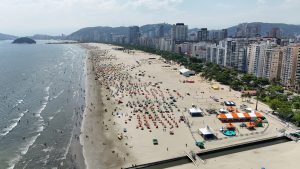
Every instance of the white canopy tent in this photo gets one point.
(195, 111)
(206, 132)
(186, 72)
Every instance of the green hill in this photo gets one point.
(24, 40)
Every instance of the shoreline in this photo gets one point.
(95, 137)
(74, 156)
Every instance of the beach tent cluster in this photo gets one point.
(186, 72)
(153, 107)
(237, 117)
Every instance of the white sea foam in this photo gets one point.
(24, 150)
(31, 141)
(47, 89)
(70, 140)
(45, 160)
(20, 101)
(13, 162)
(48, 149)
(14, 124)
(44, 104)
(58, 111)
(54, 97)
(38, 113)
(40, 128)
(25, 165)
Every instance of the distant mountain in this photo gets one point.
(96, 33)
(7, 37)
(287, 29)
(45, 37)
(194, 30)
(101, 32)
(151, 27)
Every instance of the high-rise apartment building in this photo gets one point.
(134, 33)
(290, 70)
(203, 34)
(255, 58)
(272, 62)
(223, 34)
(179, 32)
(236, 53)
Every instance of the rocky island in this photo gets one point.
(24, 40)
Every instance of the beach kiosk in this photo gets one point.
(195, 112)
(206, 133)
(186, 72)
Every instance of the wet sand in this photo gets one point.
(75, 159)
(99, 149)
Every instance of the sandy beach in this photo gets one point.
(134, 97)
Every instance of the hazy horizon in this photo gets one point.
(55, 17)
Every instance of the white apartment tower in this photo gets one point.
(290, 71)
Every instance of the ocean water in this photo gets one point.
(41, 101)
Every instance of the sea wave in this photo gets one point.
(14, 124)
(23, 150)
(48, 149)
(54, 97)
(40, 128)
(18, 103)
(31, 141)
(38, 113)
(58, 111)
(45, 160)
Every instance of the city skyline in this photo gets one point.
(66, 16)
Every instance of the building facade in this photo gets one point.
(203, 34)
(290, 71)
(134, 34)
(179, 32)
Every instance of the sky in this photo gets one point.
(54, 17)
